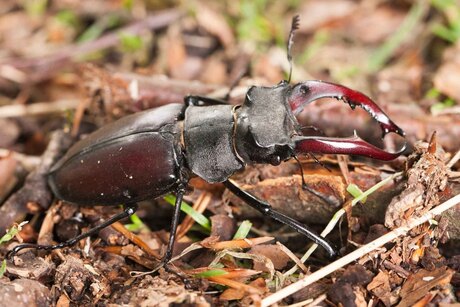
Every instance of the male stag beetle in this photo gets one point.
(155, 152)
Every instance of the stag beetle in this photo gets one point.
(155, 152)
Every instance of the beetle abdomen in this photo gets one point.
(132, 159)
(126, 170)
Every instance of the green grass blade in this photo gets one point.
(243, 230)
(210, 273)
(136, 224)
(196, 216)
(355, 191)
(3, 268)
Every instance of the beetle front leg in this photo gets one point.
(172, 238)
(174, 223)
(266, 209)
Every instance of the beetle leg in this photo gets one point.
(266, 209)
(174, 223)
(332, 202)
(194, 100)
(347, 146)
(306, 92)
(129, 210)
(172, 238)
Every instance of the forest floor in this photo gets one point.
(68, 67)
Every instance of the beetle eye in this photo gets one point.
(304, 89)
(275, 160)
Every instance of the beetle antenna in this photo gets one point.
(234, 83)
(319, 162)
(294, 27)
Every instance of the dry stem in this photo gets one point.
(360, 252)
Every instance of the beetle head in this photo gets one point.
(268, 132)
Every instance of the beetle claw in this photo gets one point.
(352, 145)
(306, 92)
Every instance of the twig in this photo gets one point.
(28, 162)
(318, 300)
(396, 268)
(147, 89)
(38, 69)
(310, 302)
(135, 239)
(293, 257)
(35, 188)
(39, 108)
(355, 255)
(454, 160)
(46, 230)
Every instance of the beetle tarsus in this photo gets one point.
(129, 210)
(181, 275)
(266, 209)
(172, 238)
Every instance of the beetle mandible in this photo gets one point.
(155, 152)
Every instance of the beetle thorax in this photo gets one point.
(208, 141)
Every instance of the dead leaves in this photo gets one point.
(346, 290)
(419, 288)
(74, 276)
(214, 243)
(427, 177)
(418, 285)
(155, 291)
(380, 287)
(339, 37)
